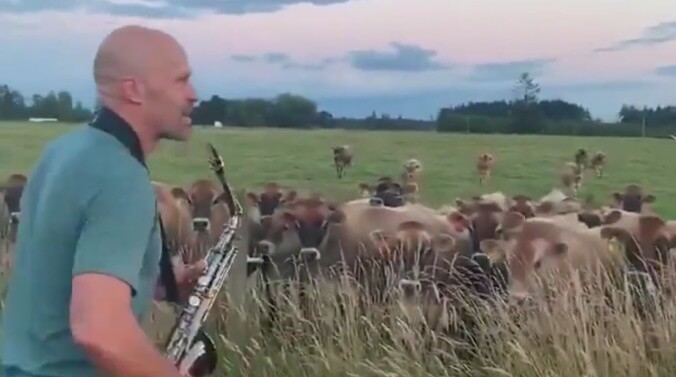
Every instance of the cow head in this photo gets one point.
(485, 159)
(598, 159)
(645, 238)
(412, 168)
(581, 157)
(387, 190)
(632, 199)
(411, 240)
(307, 220)
(530, 248)
(269, 200)
(202, 196)
(523, 204)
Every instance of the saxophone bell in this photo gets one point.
(200, 358)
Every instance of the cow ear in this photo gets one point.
(459, 221)
(493, 249)
(290, 196)
(179, 193)
(612, 217)
(545, 207)
(252, 199)
(650, 198)
(336, 217)
(617, 196)
(288, 218)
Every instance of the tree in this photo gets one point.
(527, 117)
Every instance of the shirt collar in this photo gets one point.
(108, 121)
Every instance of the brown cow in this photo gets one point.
(647, 238)
(260, 208)
(536, 247)
(484, 166)
(485, 213)
(571, 177)
(208, 210)
(304, 226)
(177, 221)
(411, 179)
(392, 193)
(342, 158)
(11, 192)
(581, 158)
(598, 162)
(632, 200)
(523, 204)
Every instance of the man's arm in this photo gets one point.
(108, 258)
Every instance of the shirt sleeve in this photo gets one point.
(115, 233)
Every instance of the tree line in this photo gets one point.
(523, 114)
(58, 105)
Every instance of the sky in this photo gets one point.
(400, 57)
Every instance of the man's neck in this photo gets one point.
(146, 138)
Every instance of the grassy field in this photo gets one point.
(525, 164)
(570, 338)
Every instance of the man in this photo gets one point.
(89, 241)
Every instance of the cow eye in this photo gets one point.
(538, 264)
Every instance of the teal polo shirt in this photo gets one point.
(89, 206)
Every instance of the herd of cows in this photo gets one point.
(491, 244)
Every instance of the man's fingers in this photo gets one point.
(195, 270)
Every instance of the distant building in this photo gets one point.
(41, 120)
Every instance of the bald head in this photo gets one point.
(143, 74)
(133, 52)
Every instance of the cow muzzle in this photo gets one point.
(310, 253)
(14, 217)
(409, 288)
(201, 224)
(265, 247)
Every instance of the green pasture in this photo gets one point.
(303, 160)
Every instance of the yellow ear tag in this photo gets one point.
(614, 246)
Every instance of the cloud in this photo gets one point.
(157, 8)
(405, 57)
(661, 33)
(669, 70)
(283, 60)
(500, 71)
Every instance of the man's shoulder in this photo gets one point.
(86, 161)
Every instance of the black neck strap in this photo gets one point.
(108, 121)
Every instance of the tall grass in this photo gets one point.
(584, 328)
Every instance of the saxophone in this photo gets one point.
(188, 346)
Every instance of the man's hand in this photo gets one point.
(186, 277)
